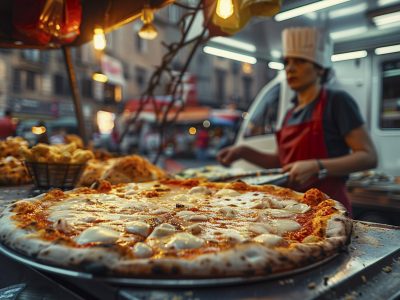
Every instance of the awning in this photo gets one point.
(190, 114)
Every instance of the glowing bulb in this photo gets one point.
(192, 130)
(224, 8)
(100, 77)
(148, 32)
(38, 129)
(99, 39)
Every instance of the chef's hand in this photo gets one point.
(228, 155)
(300, 172)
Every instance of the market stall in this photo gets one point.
(283, 244)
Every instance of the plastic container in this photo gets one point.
(64, 176)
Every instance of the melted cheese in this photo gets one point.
(200, 190)
(298, 207)
(198, 218)
(97, 234)
(279, 213)
(138, 227)
(228, 212)
(269, 240)
(260, 228)
(142, 250)
(227, 192)
(184, 241)
(282, 226)
(232, 235)
(162, 230)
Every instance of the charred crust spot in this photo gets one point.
(175, 270)
(249, 272)
(179, 205)
(243, 257)
(228, 264)
(267, 268)
(158, 270)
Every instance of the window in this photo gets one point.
(173, 14)
(58, 84)
(220, 74)
(265, 118)
(141, 44)
(390, 100)
(31, 55)
(17, 80)
(140, 77)
(30, 80)
(61, 85)
(87, 88)
(112, 93)
(247, 83)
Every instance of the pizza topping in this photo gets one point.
(142, 250)
(160, 211)
(280, 203)
(138, 227)
(63, 226)
(228, 212)
(185, 214)
(227, 192)
(184, 240)
(282, 226)
(268, 239)
(195, 229)
(280, 213)
(232, 235)
(162, 230)
(260, 228)
(198, 218)
(298, 207)
(97, 234)
(200, 190)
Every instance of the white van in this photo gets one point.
(373, 81)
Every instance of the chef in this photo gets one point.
(323, 137)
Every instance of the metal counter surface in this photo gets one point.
(369, 269)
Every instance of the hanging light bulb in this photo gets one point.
(148, 30)
(224, 8)
(99, 39)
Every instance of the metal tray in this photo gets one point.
(160, 282)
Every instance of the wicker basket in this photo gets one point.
(54, 175)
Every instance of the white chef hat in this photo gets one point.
(308, 43)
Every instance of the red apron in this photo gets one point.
(306, 141)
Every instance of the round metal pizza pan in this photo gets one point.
(158, 282)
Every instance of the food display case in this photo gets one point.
(368, 269)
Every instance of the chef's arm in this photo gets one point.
(362, 157)
(265, 160)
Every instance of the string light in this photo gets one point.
(148, 30)
(99, 39)
(224, 8)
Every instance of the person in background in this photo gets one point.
(323, 137)
(7, 126)
(58, 137)
(42, 137)
(202, 141)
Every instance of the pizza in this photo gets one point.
(175, 228)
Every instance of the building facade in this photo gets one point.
(34, 83)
